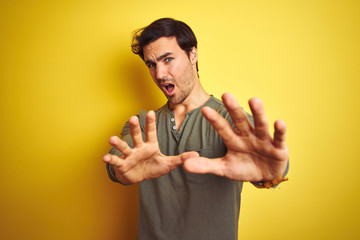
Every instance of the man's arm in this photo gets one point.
(253, 154)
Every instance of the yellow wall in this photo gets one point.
(69, 81)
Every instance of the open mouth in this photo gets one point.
(168, 88)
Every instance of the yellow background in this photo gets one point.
(69, 81)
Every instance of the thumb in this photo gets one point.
(175, 161)
(187, 155)
(204, 165)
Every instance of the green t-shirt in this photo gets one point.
(182, 205)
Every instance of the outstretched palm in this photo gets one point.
(253, 154)
(144, 160)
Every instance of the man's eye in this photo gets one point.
(168, 59)
(151, 65)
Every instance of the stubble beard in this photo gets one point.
(187, 84)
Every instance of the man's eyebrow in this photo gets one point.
(164, 56)
(159, 58)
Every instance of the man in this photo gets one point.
(191, 156)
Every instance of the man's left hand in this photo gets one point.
(253, 154)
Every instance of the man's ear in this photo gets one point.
(193, 55)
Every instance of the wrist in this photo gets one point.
(269, 184)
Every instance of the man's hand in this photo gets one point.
(253, 154)
(144, 161)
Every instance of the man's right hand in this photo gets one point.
(143, 161)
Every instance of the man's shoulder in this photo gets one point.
(143, 113)
(217, 105)
(159, 110)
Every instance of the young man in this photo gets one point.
(191, 162)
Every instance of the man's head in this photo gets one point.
(168, 48)
(164, 27)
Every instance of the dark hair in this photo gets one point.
(164, 27)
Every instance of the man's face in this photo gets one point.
(171, 68)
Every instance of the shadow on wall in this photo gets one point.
(145, 93)
(122, 201)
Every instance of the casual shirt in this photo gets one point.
(183, 205)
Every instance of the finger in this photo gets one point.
(221, 125)
(120, 145)
(113, 160)
(150, 127)
(187, 155)
(260, 119)
(135, 131)
(279, 134)
(237, 114)
(204, 165)
(120, 163)
(173, 161)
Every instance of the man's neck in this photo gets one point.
(196, 99)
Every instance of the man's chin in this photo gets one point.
(170, 98)
(173, 101)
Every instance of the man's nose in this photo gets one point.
(161, 72)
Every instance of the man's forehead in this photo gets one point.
(161, 46)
